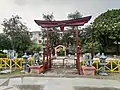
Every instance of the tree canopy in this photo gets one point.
(48, 17)
(5, 42)
(17, 32)
(74, 15)
(106, 28)
(87, 42)
(53, 36)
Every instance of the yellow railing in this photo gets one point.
(111, 65)
(16, 63)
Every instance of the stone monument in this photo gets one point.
(36, 59)
(36, 68)
(87, 68)
(102, 64)
(59, 50)
(88, 59)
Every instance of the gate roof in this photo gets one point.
(72, 22)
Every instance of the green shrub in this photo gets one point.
(61, 53)
(3, 55)
(2, 52)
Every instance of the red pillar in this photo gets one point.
(43, 60)
(50, 58)
(77, 53)
(76, 48)
(78, 59)
(47, 51)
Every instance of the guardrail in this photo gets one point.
(16, 63)
(111, 65)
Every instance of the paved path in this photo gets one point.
(4, 82)
(47, 83)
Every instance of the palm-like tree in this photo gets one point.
(48, 17)
(74, 15)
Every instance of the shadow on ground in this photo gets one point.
(30, 87)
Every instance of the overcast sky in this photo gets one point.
(33, 9)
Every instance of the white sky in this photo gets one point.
(33, 9)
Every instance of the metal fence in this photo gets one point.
(16, 63)
(111, 65)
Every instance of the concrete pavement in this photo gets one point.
(48, 83)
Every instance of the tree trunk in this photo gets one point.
(117, 48)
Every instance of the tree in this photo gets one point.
(87, 41)
(48, 17)
(74, 15)
(17, 31)
(34, 48)
(67, 39)
(53, 36)
(5, 42)
(106, 28)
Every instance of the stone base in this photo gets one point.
(88, 70)
(103, 74)
(36, 69)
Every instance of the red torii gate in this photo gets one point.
(62, 24)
